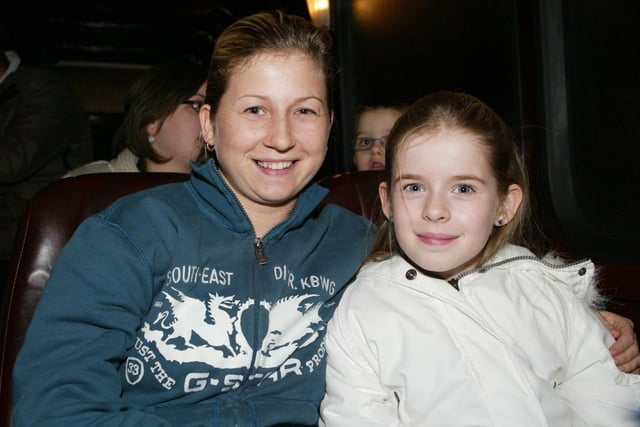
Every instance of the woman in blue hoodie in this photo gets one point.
(205, 303)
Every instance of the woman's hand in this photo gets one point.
(625, 349)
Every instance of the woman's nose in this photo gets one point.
(281, 137)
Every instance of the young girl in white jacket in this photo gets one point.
(450, 323)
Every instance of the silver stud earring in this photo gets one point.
(152, 139)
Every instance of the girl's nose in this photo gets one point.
(435, 209)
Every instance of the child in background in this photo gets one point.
(373, 124)
(452, 322)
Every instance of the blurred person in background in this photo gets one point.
(44, 132)
(160, 130)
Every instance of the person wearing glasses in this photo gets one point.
(373, 124)
(160, 130)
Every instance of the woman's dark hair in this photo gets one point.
(154, 96)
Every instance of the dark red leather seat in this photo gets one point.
(50, 220)
(356, 191)
(56, 211)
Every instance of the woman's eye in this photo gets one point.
(306, 111)
(307, 115)
(254, 110)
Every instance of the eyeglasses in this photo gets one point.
(363, 143)
(193, 104)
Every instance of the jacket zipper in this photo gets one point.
(261, 253)
(258, 244)
(454, 280)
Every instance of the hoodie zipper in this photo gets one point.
(261, 253)
(258, 244)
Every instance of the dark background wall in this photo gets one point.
(591, 101)
(565, 75)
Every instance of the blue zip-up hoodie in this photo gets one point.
(166, 310)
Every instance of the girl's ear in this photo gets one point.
(385, 202)
(510, 204)
(206, 124)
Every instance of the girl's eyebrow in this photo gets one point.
(468, 178)
(408, 176)
(411, 176)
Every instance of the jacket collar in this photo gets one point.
(222, 203)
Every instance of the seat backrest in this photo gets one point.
(356, 191)
(49, 221)
(56, 211)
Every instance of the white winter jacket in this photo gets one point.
(512, 347)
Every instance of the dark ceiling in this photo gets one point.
(119, 31)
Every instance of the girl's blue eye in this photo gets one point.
(413, 187)
(465, 189)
